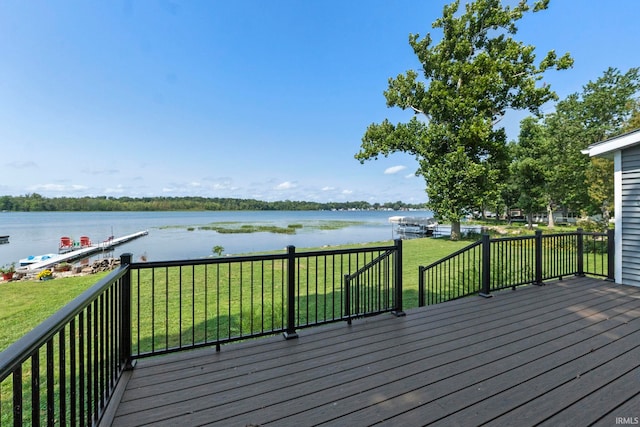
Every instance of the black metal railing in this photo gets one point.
(493, 264)
(187, 304)
(65, 371)
(451, 277)
(371, 288)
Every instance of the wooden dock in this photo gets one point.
(80, 253)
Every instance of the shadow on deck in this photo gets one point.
(567, 353)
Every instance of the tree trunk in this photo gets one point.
(530, 220)
(606, 215)
(551, 221)
(455, 230)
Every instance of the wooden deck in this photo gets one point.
(563, 354)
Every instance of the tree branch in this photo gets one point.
(416, 110)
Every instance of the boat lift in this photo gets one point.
(415, 226)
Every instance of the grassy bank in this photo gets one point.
(23, 305)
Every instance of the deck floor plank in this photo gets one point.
(354, 362)
(628, 410)
(316, 354)
(588, 409)
(496, 373)
(463, 362)
(542, 393)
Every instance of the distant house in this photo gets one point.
(625, 152)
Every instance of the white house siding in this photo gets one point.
(630, 204)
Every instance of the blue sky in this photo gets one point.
(249, 99)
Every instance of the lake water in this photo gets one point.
(37, 233)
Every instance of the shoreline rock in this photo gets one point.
(98, 266)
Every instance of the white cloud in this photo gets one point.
(59, 187)
(328, 188)
(347, 192)
(221, 186)
(394, 169)
(118, 190)
(286, 185)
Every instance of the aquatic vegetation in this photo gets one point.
(230, 227)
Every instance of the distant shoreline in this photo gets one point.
(38, 203)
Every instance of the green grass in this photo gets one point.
(249, 228)
(25, 304)
(207, 303)
(179, 303)
(235, 227)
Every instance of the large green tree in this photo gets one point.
(528, 169)
(469, 79)
(634, 120)
(602, 110)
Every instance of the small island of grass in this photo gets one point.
(231, 227)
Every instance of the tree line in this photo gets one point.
(457, 100)
(548, 171)
(38, 203)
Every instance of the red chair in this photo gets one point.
(66, 242)
(85, 241)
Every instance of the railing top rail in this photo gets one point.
(370, 264)
(347, 251)
(20, 351)
(568, 233)
(453, 255)
(512, 238)
(548, 235)
(202, 261)
(264, 257)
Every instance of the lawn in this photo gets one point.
(177, 306)
(25, 304)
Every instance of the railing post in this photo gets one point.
(290, 333)
(421, 296)
(611, 255)
(398, 278)
(347, 298)
(125, 313)
(538, 257)
(485, 278)
(580, 236)
(17, 396)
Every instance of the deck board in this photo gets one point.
(537, 354)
